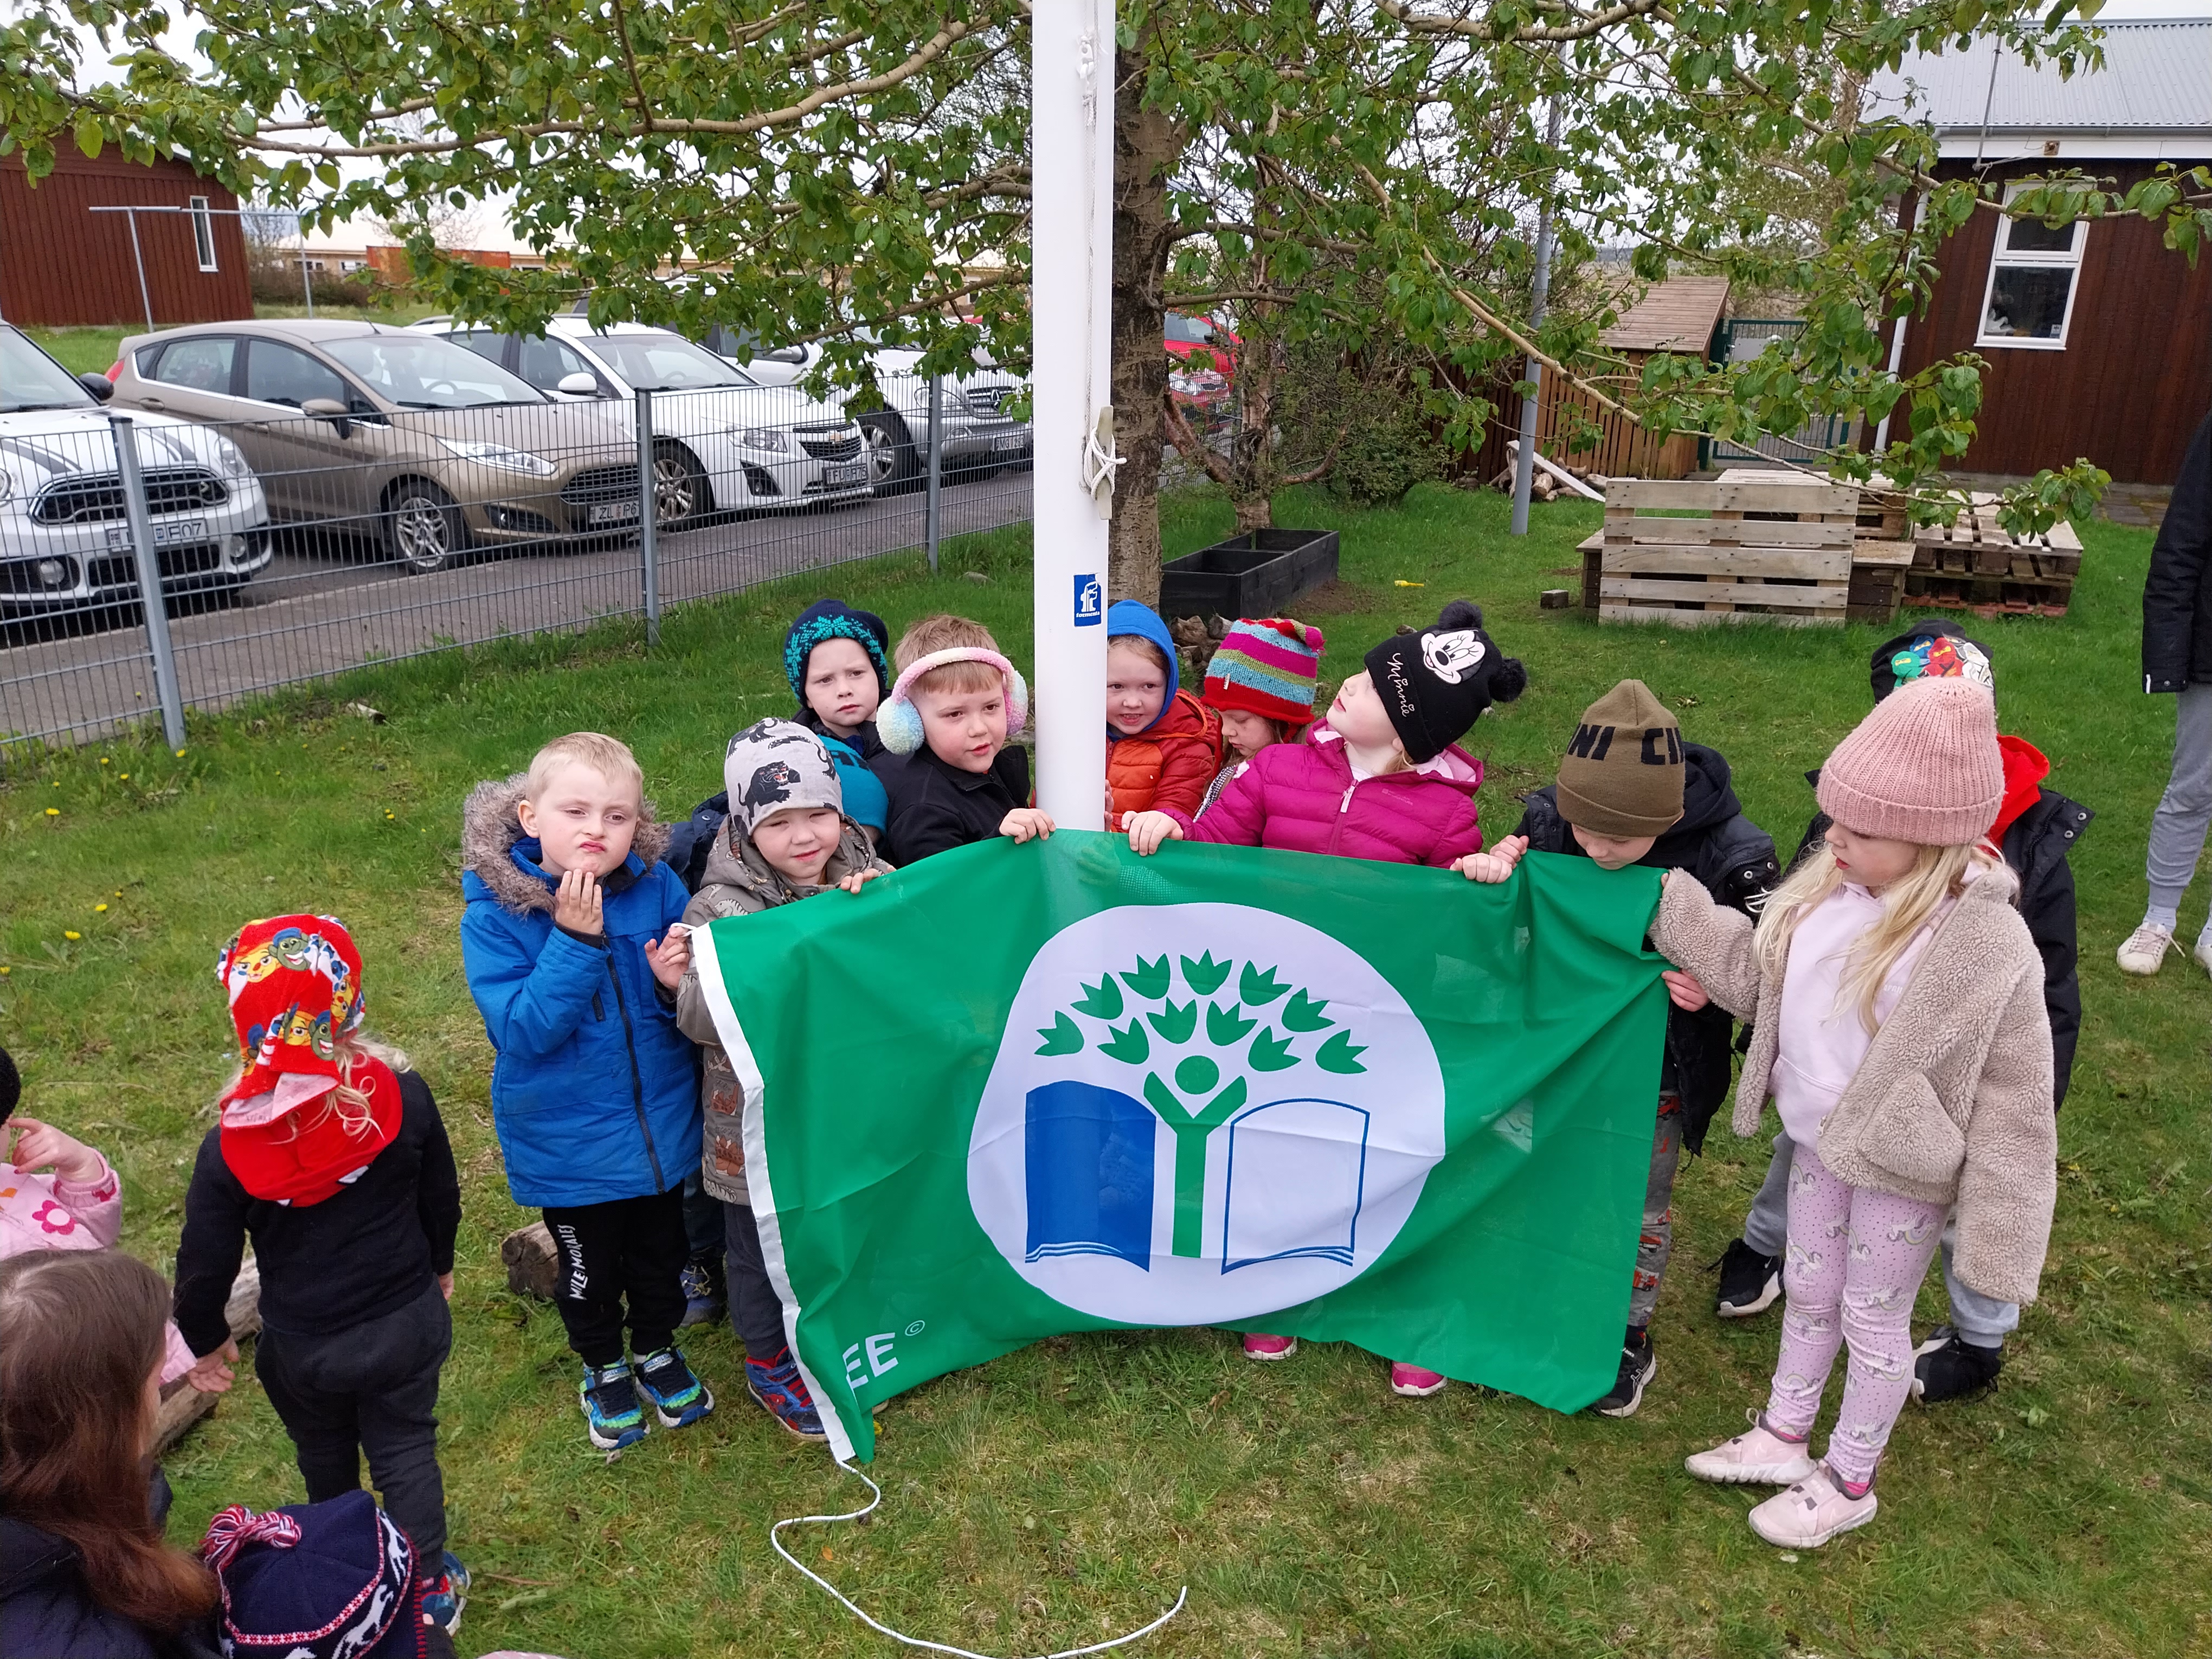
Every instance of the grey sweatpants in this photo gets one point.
(2177, 829)
(1982, 1320)
(1657, 1242)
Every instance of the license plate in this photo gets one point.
(1007, 443)
(845, 473)
(165, 535)
(612, 512)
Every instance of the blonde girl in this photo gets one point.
(1899, 1026)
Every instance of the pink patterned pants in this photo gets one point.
(1854, 1263)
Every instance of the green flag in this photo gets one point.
(1013, 1092)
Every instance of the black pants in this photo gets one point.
(372, 1389)
(756, 1310)
(631, 1248)
(702, 1219)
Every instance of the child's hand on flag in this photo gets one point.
(1495, 865)
(669, 955)
(1685, 991)
(577, 905)
(1148, 829)
(1026, 821)
(857, 879)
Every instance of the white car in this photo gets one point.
(65, 539)
(722, 441)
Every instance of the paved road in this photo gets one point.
(317, 612)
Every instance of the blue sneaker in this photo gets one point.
(782, 1393)
(679, 1399)
(703, 1300)
(445, 1595)
(610, 1409)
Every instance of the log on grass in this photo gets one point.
(533, 1265)
(183, 1405)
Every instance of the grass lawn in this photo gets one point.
(1065, 1492)
(91, 350)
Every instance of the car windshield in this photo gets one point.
(1190, 331)
(664, 362)
(420, 371)
(31, 380)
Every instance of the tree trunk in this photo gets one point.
(1147, 147)
(1256, 513)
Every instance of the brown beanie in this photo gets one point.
(1924, 767)
(1622, 774)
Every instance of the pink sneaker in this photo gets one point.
(1415, 1382)
(1270, 1347)
(1760, 1458)
(1812, 1512)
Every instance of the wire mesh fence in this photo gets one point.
(314, 511)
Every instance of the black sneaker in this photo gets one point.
(1638, 1364)
(1948, 1367)
(1750, 1280)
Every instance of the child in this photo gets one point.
(329, 1152)
(1381, 777)
(574, 957)
(1630, 791)
(787, 838)
(2035, 830)
(835, 659)
(1262, 681)
(1162, 745)
(329, 1580)
(1896, 1000)
(951, 775)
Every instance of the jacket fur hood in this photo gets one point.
(489, 829)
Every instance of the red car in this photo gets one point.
(1205, 353)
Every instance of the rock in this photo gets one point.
(975, 576)
(1555, 598)
(533, 1265)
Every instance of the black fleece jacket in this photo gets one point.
(2177, 631)
(936, 807)
(369, 1249)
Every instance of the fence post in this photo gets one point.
(150, 595)
(649, 515)
(936, 457)
(1524, 462)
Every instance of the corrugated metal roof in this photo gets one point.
(2157, 77)
(1679, 314)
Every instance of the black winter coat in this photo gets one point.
(936, 807)
(2176, 634)
(47, 1613)
(1735, 860)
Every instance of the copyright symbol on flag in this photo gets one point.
(917, 1327)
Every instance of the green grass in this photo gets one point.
(1066, 1491)
(91, 350)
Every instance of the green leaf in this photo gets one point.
(1177, 1023)
(1102, 1001)
(1258, 985)
(1130, 1045)
(1304, 1014)
(1225, 1027)
(1063, 1036)
(1270, 1053)
(1340, 1053)
(1151, 980)
(1205, 975)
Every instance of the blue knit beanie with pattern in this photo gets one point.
(833, 619)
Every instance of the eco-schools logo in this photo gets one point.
(1202, 1113)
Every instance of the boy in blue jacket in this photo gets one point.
(574, 958)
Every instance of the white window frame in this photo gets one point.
(2003, 257)
(203, 231)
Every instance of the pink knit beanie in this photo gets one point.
(1923, 767)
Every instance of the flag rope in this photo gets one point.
(876, 1497)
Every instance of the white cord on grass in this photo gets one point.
(875, 1497)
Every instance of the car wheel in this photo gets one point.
(680, 490)
(894, 462)
(422, 528)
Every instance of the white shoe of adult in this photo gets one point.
(2144, 952)
(2201, 956)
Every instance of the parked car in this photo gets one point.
(1202, 369)
(400, 433)
(977, 430)
(64, 537)
(722, 441)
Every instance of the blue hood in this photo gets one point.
(1128, 616)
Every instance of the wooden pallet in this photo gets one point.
(1975, 564)
(1778, 552)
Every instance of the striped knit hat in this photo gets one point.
(1268, 665)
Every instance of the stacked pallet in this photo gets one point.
(1763, 547)
(1975, 564)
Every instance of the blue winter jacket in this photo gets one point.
(594, 1092)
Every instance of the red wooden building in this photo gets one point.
(62, 264)
(2098, 336)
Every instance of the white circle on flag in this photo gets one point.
(1311, 1103)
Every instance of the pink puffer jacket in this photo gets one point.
(1300, 797)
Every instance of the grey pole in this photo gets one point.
(150, 595)
(649, 515)
(1524, 462)
(306, 278)
(145, 296)
(930, 518)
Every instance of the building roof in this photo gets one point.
(1679, 314)
(2152, 100)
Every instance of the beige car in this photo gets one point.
(392, 432)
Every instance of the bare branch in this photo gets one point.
(1584, 25)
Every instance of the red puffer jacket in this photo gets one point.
(1300, 797)
(1167, 768)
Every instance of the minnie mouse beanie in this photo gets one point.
(1923, 767)
(1434, 684)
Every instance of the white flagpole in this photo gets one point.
(1071, 310)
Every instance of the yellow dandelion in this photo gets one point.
(5, 969)
(125, 776)
(180, 755)
(104, 761)
(71, 935)
(98, 909)
(118, 892)
(53, 811)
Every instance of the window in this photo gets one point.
(280, 375)
(546, 362)
(203, 231)
(199, 364)
(2032, 275)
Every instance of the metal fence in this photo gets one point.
(1741, 339)
(304, 545)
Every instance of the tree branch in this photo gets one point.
(1584, 25)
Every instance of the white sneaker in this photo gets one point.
(1760, 1458)
(2201, 956)
(1811, 1512)
(2146, 948)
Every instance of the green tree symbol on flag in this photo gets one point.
(1195, 1054)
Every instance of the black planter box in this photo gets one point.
(1258, 574)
